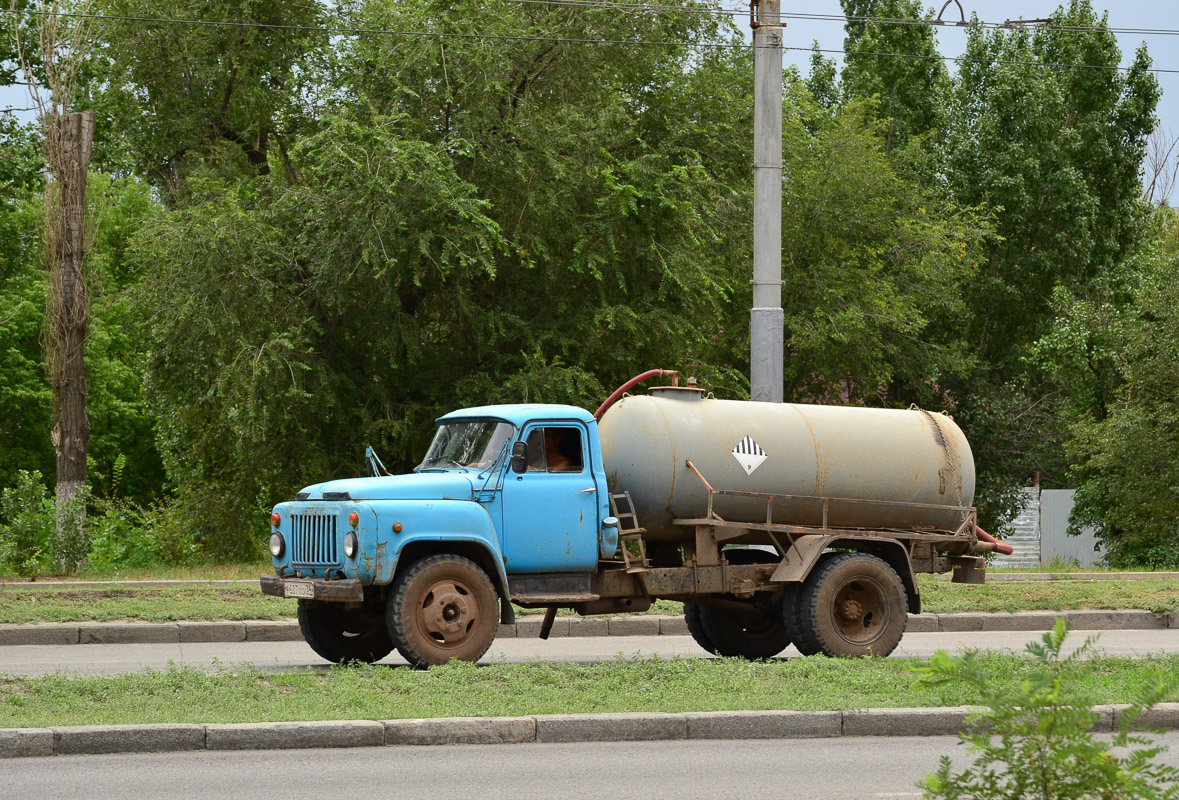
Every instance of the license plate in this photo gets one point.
(292, 589)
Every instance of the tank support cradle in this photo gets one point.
(799, 551)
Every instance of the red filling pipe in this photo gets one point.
(651, 373)
(1000, 547)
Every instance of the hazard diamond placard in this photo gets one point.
(749, 454)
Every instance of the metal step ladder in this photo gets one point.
(628, 533)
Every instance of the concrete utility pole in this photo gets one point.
(765, 322)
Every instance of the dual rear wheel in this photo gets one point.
(754, 632)
(851, 605)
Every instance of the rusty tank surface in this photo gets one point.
(844, 467)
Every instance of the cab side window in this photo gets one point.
(536, 462)
(562, 447)
(554, 450)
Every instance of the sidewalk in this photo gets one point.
(162, 738)
(641, 625)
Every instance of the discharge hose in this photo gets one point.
(651, 373)
(1000, 547)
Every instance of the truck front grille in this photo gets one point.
(313, 539)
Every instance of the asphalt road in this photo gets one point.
(115, 659)
(815, 769)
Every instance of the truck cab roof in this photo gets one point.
(520, 413)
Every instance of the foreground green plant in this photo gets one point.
(1036, 739)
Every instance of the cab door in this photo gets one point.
(550, 512)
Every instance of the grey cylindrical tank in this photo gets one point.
(908, 456)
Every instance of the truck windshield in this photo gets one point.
(467, 444)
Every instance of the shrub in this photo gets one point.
(126, 536)
(27, 525)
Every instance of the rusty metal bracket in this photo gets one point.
(800, 558)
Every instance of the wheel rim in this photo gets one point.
(448, 614)
(861, 610)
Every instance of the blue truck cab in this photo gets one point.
(429, 562)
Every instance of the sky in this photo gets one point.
(1154, 14)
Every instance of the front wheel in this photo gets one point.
(341, 636)
(441, 608)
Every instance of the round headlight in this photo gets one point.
(351, 544)
(277, 545)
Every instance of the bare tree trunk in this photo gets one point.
(69, 148)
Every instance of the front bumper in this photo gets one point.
(345, 590)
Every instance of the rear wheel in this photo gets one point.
(341, 635)
(693, 618)
(853, 604)
(441, 608)
(756, 633)
(801, 633)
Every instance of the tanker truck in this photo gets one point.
(773, 523)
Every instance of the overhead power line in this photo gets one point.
(442, 35)
(840, 18)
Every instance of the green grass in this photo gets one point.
(218, 572)
(941, 597)
(460, 689)
(196, 603)
(204, 603)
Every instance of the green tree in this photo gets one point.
(1055, 151)
(872, 263)
(1123, 459)
(900, 64)
(487, 219)
(223, 96)
(120, 422)
(25, 400)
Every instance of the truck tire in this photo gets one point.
(443, 607)
(805, 644)
(758, 633)
(695, 623)
(340, 636)
(852, 605)
(796, 625)
(733, 634)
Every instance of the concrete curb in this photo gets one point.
(566, 728)
(998, 577)
(529, 627)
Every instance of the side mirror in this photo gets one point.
(520, 457)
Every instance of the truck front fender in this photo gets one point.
(407, 530)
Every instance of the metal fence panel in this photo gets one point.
(1055, 506)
